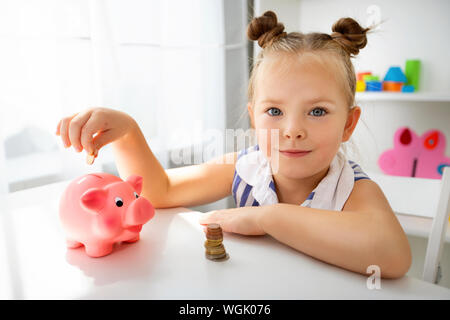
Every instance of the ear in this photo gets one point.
(250, 114)
(136, 182)
(94, 199)
(352, 120)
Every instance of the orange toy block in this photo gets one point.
(392, 86)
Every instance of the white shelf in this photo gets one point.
(403, 96)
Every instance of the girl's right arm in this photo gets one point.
(178, 187)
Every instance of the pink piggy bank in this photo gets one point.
(98, 210)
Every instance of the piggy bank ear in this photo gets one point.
(94, 199)
(136, 182)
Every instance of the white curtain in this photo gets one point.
(178, 67)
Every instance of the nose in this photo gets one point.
(294, 132)
(139, 212)
(293, 136)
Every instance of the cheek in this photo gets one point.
(327, 134)
(327, 137)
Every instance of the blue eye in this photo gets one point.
(318, 112)
(275, 112)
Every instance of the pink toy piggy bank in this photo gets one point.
(98, 210)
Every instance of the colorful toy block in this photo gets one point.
(392, 86)
(395, 74)
(412, 72)
(360, 86)
(360, 75)
(370, 77)
(394, 80)
(408, 88)
(374, 86)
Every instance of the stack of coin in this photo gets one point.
(214, 248)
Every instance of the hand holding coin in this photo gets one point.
(94, 128)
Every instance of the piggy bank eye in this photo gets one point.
(136, 195)
(119, 202)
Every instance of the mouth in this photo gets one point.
(294, 153)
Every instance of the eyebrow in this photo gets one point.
(310, 101)
(272, 101)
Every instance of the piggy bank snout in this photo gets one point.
(139, 212)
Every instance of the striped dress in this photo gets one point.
(241, 191)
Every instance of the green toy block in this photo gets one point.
(370, 77)
(412, 72)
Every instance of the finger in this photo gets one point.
(103, 138)
(209, 217)
(75, 127)
(95, 125)
(204, 221)
(64, 128)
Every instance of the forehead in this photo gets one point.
(304, 76)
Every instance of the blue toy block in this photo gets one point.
(374, 86)
(395, 74)
(408, 88)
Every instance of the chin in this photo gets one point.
(292, 168)
(295, 173)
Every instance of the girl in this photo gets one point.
(298, 188)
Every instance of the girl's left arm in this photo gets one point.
(366, 232)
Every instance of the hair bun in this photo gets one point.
(265, 29)
(350, 35)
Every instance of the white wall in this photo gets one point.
(287, 12)
(409, 29)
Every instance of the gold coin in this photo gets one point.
(91, 157)
(214, 233)
(213, 226)
(213, 243)
(207, 247)
(216, 250)
(221, 257)
(218, 254)
(214, 237)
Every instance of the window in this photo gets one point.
(178, 67)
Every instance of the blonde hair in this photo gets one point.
(345, 41)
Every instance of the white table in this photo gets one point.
(167, 263)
